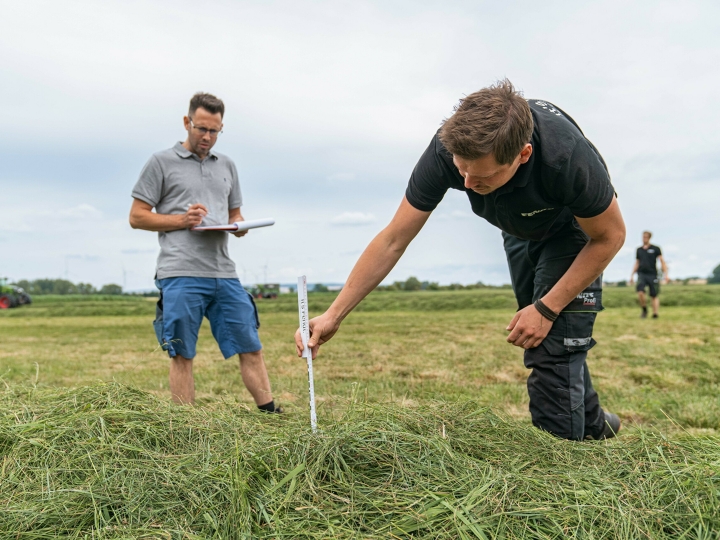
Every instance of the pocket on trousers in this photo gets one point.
(159, 324)
(252, 301)
(571, 332)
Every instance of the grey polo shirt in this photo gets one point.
(171, 181)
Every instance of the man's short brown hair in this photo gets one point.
(495, 120)
(208, 102)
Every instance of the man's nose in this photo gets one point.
(468, 182)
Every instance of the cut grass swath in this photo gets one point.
(110, 461)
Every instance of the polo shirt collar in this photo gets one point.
(184, 153)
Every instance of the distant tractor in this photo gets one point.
(265, 290)
(11, 296)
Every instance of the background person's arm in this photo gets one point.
(142, 217)
(372, 267)
(666, 277)
(607, 235)
(636, 266)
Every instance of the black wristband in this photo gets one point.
(545, 311)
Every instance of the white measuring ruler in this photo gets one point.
(307, 353)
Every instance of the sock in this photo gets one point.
(268, 407)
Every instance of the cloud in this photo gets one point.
(342, 177)
(87, 258)
(138, 251)
(452, 215)
(353, 219)
(362, 112)
(81, 211)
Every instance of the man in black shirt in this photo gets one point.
(646, 268)
(527, 168)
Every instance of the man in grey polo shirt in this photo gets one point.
(189, 185)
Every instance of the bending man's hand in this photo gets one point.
(322, 328)
(528, 328)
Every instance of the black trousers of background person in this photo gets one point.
(562, 399)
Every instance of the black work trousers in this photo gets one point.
(562, 399)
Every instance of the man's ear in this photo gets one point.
(186, 122)
(525, 153)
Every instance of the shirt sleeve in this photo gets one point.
(586, 187)
(150, 184)
(235, 197)
(430, 179)
(659, 251)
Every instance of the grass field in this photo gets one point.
(117, 461)
(661, 372)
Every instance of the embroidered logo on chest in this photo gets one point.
(530, 214)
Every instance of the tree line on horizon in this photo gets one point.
(414, 284)
(63, 286)
(715, 278)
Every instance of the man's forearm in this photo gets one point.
(150, 221)
(588, 265)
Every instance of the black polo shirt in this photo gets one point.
(564, 177)
(648, 259)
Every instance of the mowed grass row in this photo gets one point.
(111, 461)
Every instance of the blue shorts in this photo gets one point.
(183, 303)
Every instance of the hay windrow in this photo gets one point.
(111, 461)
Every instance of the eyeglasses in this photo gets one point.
(205, 131)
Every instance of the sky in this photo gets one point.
(329, 105)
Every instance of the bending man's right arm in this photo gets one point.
(142, 217)
(372, 267)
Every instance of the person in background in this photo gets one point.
(647, 274)
(188, 185)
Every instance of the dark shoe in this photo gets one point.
(612, 426)
(268, 410)
(610, 429)
(655, 315)
(643, 315)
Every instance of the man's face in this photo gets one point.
(200, 128)
(485, 175)
(646, 238)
